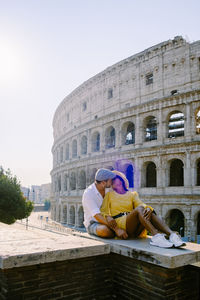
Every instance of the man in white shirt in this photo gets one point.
(92, 200)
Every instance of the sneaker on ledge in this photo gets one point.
(176, 240)
(159, 240)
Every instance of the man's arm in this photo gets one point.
(111, 223)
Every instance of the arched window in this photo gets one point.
(198, 224)
(65, 182)
(197, 119)
(82, 180)
(59, 214)
(130, 175)
(129, 134)
(151, 175)
(151, 129)
(67, 152)
(72, 215)
(110, 137)
(175, 221)
(59, 183)
(80, 217)
(198, 172)
(74, 148)
(176, 125)
(61, 154)
(176, 173)
(92, 175)
(65, 214)
(73, 181)
(84, 145)
(96, 142)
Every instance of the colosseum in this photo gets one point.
(142, 117)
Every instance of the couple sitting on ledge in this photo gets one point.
(121, 213)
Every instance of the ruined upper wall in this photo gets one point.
(151, 74)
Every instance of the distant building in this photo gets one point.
(25, 191)
(37, 193)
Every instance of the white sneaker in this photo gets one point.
(160, 241)
(176, 240)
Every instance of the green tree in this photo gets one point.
(13, 205)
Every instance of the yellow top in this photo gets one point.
(114, 204)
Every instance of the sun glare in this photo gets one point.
(10, 64)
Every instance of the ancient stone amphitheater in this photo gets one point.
(141, 116)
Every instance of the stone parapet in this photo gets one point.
(25, 248)
(36, 264)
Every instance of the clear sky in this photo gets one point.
(49, 47)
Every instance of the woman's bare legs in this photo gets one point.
(135, 223)
(160, 224)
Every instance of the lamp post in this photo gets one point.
(27, 217)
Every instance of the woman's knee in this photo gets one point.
(104, 231)
(140, 210)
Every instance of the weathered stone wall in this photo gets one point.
(88, 278)
(102, 277)
(154, 83)
(133, 279)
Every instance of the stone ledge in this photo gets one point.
(19, 248)
(141, 249)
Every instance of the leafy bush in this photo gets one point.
(13, 204)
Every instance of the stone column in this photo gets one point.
(61, 213)
(187, 170)
(102, 139)
(68, 207)
(187, 124)
(160, 173)
(76, 216)
(117, 134)
(160, 127)
(139, 131)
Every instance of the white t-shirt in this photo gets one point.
(92, 201)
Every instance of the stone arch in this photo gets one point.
(151, 176)
(198, 223)
(65, 214)
(92, 175)
(84, 145)
(110, 137)
(128, 133)
(130, 175)
(74, 148)
(175, 124)
(65, 182)
(96, 141)
(82, 180)
(176, 221)
(67, 152)
(59, 213)
(73, 181)
(59, 183)
(198, 172)
(150, 128)
(80, 217)
(53, 212)
(176, 173)
(127, 167)
(72, 215)
(197, 120)
(61, 154)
